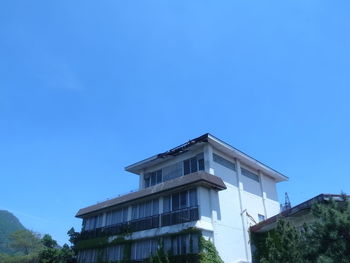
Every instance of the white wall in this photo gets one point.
(244, 198)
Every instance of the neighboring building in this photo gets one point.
(297, 216)
(204, 184)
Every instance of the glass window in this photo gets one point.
(187, 168)
(222, 161)
(194, 164)
(194, 167)
(147, 180)
(155, 207)
(183, 199)
(125, 214)
(201, 165)
(166, 204)
(261, 217)
(193, 197)
(250, 175)
(134, 212)
(159, 176)
(175, 201)
(153, 179)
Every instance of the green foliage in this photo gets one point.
(8, 225)
(284, 244)
(208, 253)
(325, 240)
(161, 256)
(48, 242)
(25, 241)
(329, 235)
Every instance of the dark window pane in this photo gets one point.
(125, 214)
(159, 176)
(187, 169)
(183, 244)
(155, 207)
(175, 202)
(183, 199)
(194, 167)
(201, 165)
(153, 178)
(147, 182)
(166, 204)
(193, 197)
(134, 213)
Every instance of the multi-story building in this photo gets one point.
(204, 185)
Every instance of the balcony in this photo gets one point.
(188, 214)
(144, 223)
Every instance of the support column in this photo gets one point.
(141, 181)
(263, 193)
(208, 159)
(243, 211)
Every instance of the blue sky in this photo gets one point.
(87, 88)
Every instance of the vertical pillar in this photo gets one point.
(263, 193)
(243, 217)
(141, 181)
(208, 159)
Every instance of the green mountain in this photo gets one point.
(8, 224)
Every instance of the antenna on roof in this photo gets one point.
(287, 205)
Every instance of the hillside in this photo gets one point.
(8, 224)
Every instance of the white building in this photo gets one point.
(204, 184)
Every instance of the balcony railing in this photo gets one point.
(180, 216)
(171, 218)
(144, 223)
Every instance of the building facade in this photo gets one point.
(204, 187)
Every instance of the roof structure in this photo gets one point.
(295, 211)
(197, 178)
(138, 167)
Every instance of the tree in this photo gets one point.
(48, 242)
(283, 244)
(208, 253)
(325, 240)
(329, 235)
(25, 241)
(67, 255)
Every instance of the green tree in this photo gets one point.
(328, 236)
(67, 255)
(284, 244)
(25, 241)
(208, 253)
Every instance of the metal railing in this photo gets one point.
(180, 216)
(170, 218)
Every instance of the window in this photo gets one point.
(87, 256)
(180, 200)
(261, 218)
(181, 244)
(222, 161)
(194, 164)
(92, 223)
(115, 253)
(250, 175)
(143, 249)
(116, 217)
(153, 178)
(145, 209)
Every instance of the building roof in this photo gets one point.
(198, 178)
(216, 143)
(297, 210)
